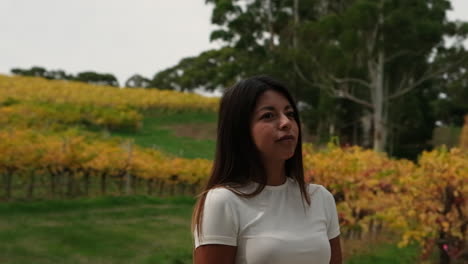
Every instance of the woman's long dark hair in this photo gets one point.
(237, 161)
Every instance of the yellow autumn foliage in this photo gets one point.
(34, 89)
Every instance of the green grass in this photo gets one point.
(130, 229)
(386, 254)
(176, 117)
(101, 230)
(156, 134)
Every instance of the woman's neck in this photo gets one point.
(275, 172)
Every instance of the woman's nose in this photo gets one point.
(285, 122)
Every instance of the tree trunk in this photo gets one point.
(378, 102)
(322, 8)
(270, 24)
(296, 23)
(366, 124)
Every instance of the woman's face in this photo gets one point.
(274, 129)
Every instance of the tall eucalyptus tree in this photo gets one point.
(373, 52)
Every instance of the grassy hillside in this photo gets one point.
(187, 134)
(179, 124)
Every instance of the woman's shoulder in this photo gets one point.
(221, 195)
(318, 189)
(222, 200)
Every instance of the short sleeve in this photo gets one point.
(220, 220)
(333, 227)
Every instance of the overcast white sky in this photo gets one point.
(122, 37)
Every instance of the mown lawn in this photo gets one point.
(100, 230)
(132, 229)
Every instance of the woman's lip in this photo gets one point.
(286, 138)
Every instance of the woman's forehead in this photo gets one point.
(272, 99)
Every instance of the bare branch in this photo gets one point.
(399, 54)
(301, 74)
(347, 95)
(429, 74)
(403, 81)
(326, 88)
(351, 80)
(336, 92)
(411, 86)
(343, 94)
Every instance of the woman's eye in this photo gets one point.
(291, 114)
(267, 116)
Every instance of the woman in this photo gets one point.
(256, 207)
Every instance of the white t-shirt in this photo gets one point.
(274, 227)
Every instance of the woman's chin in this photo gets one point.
(285, 156)
(278, 155)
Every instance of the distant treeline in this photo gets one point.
(88, 77)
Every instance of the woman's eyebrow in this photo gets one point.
(266, 108)
(271, 108)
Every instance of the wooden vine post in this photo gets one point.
(128, 177)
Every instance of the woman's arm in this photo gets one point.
(215, 254)
(335, 250)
